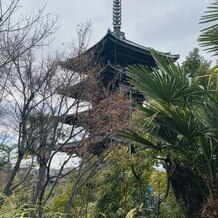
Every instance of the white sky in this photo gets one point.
(166, 25)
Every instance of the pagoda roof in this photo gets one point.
(79, 119)
(80, 90)
(120, 51)
(96, 144)
(77, 91)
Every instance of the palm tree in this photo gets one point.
(209, 36)
(180, 122)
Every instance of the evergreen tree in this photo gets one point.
(195, 64)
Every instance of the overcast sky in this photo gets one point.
(166, 25)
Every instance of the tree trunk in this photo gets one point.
(7, 189)
(41, 180)
(186, 190)
(210, 209)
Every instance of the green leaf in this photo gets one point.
(131, 213)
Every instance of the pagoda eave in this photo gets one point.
(121, 50)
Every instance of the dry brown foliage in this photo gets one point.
(210, 209)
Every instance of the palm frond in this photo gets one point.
(209, 35)
(167, 82)
(139, 139)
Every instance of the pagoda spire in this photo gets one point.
(117, 15)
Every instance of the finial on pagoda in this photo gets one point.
(117, 14)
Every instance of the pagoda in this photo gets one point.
(115, 53)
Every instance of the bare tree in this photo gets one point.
(39, 108)
(19, 36)
(19, 33)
